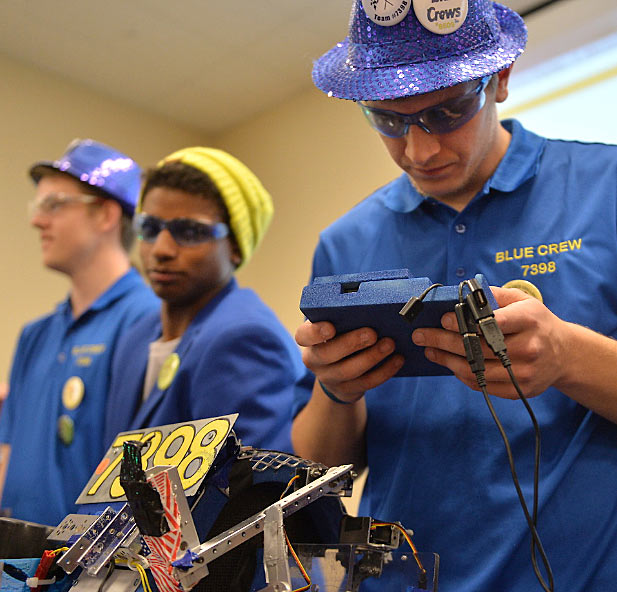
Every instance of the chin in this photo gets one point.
(164, 294)
(55, 265)
(435, 190)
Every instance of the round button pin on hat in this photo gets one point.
(386, 12)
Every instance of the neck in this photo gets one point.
(176, 317)
(89, 281)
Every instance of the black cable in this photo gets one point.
(483, 313)
(110, 569)
(531, 521)
(473, 312)
(414, 305)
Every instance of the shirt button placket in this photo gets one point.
(459, 228)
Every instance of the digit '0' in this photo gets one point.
(213, 433)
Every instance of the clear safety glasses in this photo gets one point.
(54, 202)
(438, 119)
(185, 231)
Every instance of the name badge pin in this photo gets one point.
(168, 371)
(73, 392)
(66, 429)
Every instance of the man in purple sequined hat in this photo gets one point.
(537, 217)
(51, 423)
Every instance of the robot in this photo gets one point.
(269, 522)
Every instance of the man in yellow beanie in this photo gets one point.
(215, 348)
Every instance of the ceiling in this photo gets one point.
(207, 63)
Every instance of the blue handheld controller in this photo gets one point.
(374, 299)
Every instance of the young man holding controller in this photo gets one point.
(473, 187)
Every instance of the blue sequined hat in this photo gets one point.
(416, 55)
(96, 164)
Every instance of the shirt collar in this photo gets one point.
(401, 196)
(519, 164)
(118, 289)
(521, 160)
(212, 304)
(126, 283)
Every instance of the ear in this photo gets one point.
(501, 94)
(236, 256)
(110, 213)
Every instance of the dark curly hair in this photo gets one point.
(184, 177)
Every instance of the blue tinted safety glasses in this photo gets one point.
(439, 119)
(185, 231)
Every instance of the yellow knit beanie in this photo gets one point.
(248, 202)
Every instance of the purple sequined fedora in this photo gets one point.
(99, 165)
(400, 48)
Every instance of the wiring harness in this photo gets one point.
(475, 317)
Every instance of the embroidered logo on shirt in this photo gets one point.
(83, 353)
(549, 252)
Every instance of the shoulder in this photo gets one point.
(569, 167)
(132, 288)
(353, 235)
(39, 323)
(557, 150)
(144, 326)
(578, 146)
(136, 300)
(584, 169)
(142, 331)
(242, 322)
(372, 208)
(242, 309)
(42, 325)
(360, 239)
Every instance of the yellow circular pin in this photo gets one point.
(73, 392)
(66, 429)
(168, 371)
(526, 287)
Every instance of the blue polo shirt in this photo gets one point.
(49, 466)
(548, 215)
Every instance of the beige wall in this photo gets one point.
(318, 158)
(40, 115)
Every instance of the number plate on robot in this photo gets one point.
(191, 447)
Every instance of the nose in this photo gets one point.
(38, 219)
(420, 146)
(164, 246)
